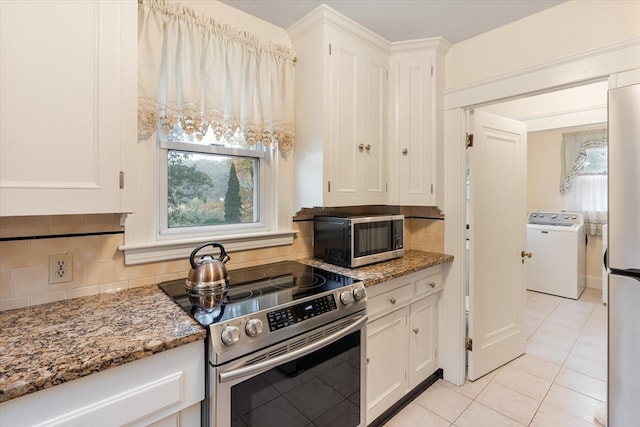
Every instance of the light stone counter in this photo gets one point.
(49, 344)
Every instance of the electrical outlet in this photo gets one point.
(60, 268)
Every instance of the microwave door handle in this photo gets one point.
(287, 357)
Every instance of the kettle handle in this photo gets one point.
(223, 254)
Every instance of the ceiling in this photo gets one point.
(397, 20)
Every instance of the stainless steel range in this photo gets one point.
(287, 347)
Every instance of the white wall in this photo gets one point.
(567, 29)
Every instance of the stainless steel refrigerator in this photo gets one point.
(624, 257)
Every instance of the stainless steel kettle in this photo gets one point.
(207, 281)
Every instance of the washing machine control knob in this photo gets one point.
(554, 216)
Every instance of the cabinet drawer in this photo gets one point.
(388, 301)
(428, 285)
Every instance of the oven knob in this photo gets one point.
(253, 327)
(359, 294)
(230, 335)
(346, 297)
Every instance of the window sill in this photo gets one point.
(177, 249)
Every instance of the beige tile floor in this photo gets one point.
(559, 382)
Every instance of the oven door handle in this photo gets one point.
(287, 357)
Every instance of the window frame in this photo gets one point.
(264, 176)
(145, 244)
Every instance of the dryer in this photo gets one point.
(557, 243)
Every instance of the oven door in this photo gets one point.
(314, 379)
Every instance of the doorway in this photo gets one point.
(546, 117)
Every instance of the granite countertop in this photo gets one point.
(49, 344)
(374, 274)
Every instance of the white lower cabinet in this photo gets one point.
(387, 353)
(423, 342)
(161, 390)
(402, 337)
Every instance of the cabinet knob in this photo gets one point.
(392, 300)
(432, 285)
(368, 147)
(361, 147)
(405, 151)
(416, 330)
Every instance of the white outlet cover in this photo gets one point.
(60, 268)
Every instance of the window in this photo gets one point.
(209, 184)
(584, 183)
(215, 121)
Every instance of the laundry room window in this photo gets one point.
(584, 181)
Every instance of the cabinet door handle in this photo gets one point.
(368, 147)
(416, 330)
(392, 300)
(405, 151)
(432, 284)
(361, 147)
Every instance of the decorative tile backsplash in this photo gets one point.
(98, 265)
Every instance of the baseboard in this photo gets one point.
(406, 399)
(594, 282)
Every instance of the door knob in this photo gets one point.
(405, 151)
(416, 330)
(368, 147)
(526, 254)
(361, 147)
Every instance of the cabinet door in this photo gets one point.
(373, 158)
(387, 362)
(68, 84)
(414, 146)
(345, 65)
(423, 355)
(358, 123)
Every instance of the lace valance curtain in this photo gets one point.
(206, 76)
(584, 192)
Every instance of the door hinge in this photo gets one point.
(329, 48)
(387, 74)
(386, 187)
(328, 186)
(432, 70)
(469, 140)
(121, 180)
(468, 344)
(431, 188)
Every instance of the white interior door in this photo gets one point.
(497, 231)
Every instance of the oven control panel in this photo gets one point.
(288, 316)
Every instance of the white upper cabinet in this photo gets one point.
(416, 153)
(341, 112)
(68, 113)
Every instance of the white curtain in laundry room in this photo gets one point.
(584, 176)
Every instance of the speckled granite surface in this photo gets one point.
(383, 271)
(50, 344)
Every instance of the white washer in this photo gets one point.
(557, 243)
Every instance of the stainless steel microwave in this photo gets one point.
(354, 241)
